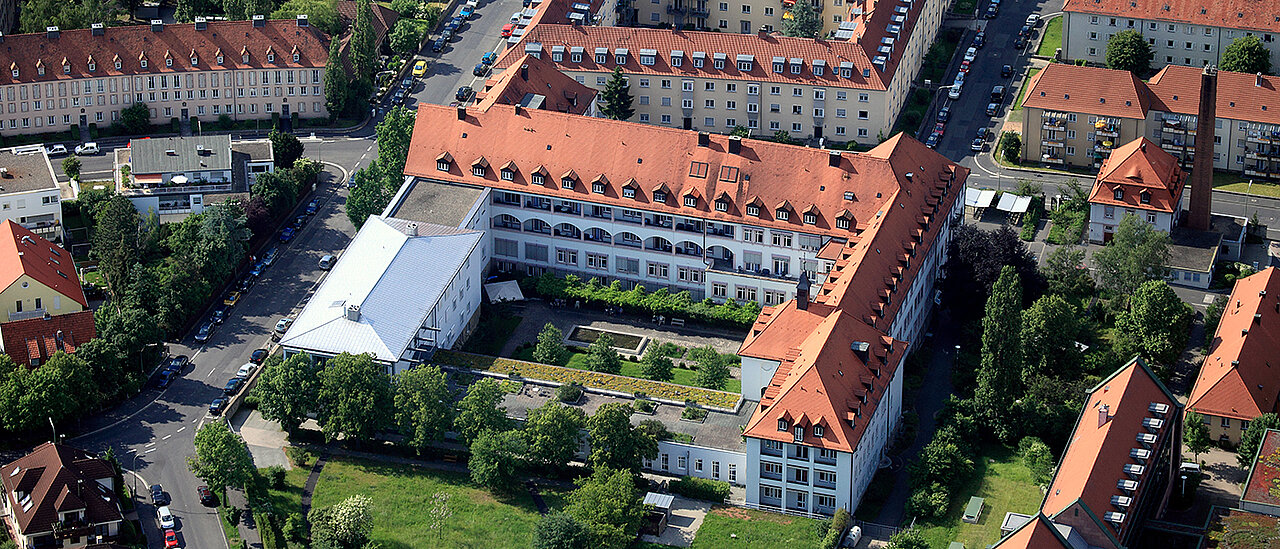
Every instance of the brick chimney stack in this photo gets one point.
(1202, 163)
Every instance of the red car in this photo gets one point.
(506, 29)
(170, 539)
(939, 129)
(964, 66)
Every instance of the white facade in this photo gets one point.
(679, 459)
(1105, 218)
(29, 194)
(1172, 43)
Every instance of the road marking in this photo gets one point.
(149, 450)
(369, 149)
(197, 353)
(206, 376)
(152, 443)
(166, 437)
(181, 429)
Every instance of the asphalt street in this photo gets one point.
(451, 69)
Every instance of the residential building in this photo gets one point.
(242, 69)
(1040, 532)
(1075, 115)
(59, 496)
(1115, 471)
(399, 292)
(533, 83)
(1260, 495)
(1192, 34)
(1140, 179)
(250, 158)
(34, 340)
(852, 17)
(1235, 383)
(29, 193)
(37, 277)
(185, 175)
(838, 90)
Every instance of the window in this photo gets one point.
(817, 431)
(826, 501)
(567, 183)
(507, 175)
(597, 187)
(566, 257)
(1119, 194)
(660, 197)
(781, 239)
(682, 462)
(1109, 212)
(657, 270)
(744, 66)
(810, 219)
(782, 214)
(799, 432)
(1226, 421)
(442, 165)
(688, 274)
(754, 211)
(538, 179)
(697, 465)
(770, 492)
(719, 290)
(628, 266)
(477, 171)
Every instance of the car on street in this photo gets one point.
(997, 93)
(507, 29)
(959, 81)
(420, 68)
(980, 39)
(313, 206)
(965, 66)
(327, 261)
(1006, 71)
(269, 257)
(993, 109)
(932, 141)
(245, 371)
(976, 146)
(258, 356)
(939, 129)
(165, 379)
(206, 496)
(205, 331)
(217, 406)
(1025, 31)
(258, 268)
(480, 69)
(158, 497)
(398, 97)
(219, 314)
(231, 298)
(489, 58)
(170, 539)
(992, 11)
(287, 234)
(515, 17)
(88, 148)
(300, 222)
(166, 518)
(438, 45)
(451, 29)
(177, 364)
(954, 92)
(464, 93)
(282, 325)
(467, 12)
(245, 283)
(971, 53)
(982, 134)
(944, 113)
(56, 150)
(233, 386)
(1020, 42)
(1033, 20)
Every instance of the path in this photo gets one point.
(312, 480)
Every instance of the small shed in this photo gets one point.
(656, 518)
(504, 291)
(955, 545)
(973, 510)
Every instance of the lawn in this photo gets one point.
(401, 497)
(496, 326)
(1005, 482)
(1224, 181)
(679, 376)
(754, 529)
(965, 7)
(1026, 83)
(1052, 38)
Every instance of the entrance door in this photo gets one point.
(186, 113)
(817, 132)
(1106, 236)
(688, 123)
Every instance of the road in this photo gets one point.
(451, 68)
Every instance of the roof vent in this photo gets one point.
(157, 25)
(97, 29)
(704, 139)
(302, 20)
(259, 21)
(735, 144)
(51, 32)
(462, 113)
(1257, 318)
(411, 229)
(170, 152)
(353, 313)
(202, 24)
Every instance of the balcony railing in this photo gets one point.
(538, 204)
(765, 450)
(23, 315)
(726, 232)
(601, 213)
(665, 248)
(662, 223)
(498, 199)
(573, 209)
(1108, 132)
(629, 218)
(690, 227)
(674, 9)
(506, 225)
(794, 480)
(823, 484)
(718, 264)
(1052, 142)
(700, 11)
(1052, 160)
(1059, 125)
(824, 460)
(770, 476)
(1262, 155)
(1272, 138)
(628, 242)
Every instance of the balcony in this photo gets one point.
(1263, 154)
(1059, 124)
(1176, 127)
(724, 231)
(825, 460)
(770, 475)
(1050, 159)
(658, 247)
(675, 9)
(571, 233)
(1102, 146)
(1108, 131)
(538, 204)
(601, 212)
(1055, 142)
(628, 240)
(700, 10)
(823, 484)
(767, 451)
(1176, 143)
(597, 235)
(690, 249)
(504, 224)
(499, 199)
(690, 226)
(568, 208)
(718, 264)
(795, 480)
(24, 315)
(1265, 138)
(627, 216)
(1258, 171)
(662, 222)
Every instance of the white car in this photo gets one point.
(954, 92)
(282, 325)
(515, 17)
(56, 150)
(88, 148)
(960, 79)
(166, 518)
(1033, 20)
(245, 370)
(971, 54)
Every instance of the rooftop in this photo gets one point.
(1192, 250)
(1241, 96)
(1231, 14)
(180, 154)
(54, 478)
(1237, 379)
(530, 76)
(23, 252)
(257, 150)
(1264, 477)
(26, 169)
(1037, 533)
(434, 202)
(1147, 176)
(34, 340)
(1071, 88)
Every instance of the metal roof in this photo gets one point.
(152, 155)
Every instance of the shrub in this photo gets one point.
(929, 502)
(267, 529)
(655, 429)
(175, 125)
(646, 406)
(231, 515)
(669, 349)
(75, 133)
(225, 122)
(701, 488)
(275, 477)
(550, 347)
(298, 456)
(275, 120)
(693, 413)
(638, 300)
(569, 393)
(93, 130)
(295, 526)
(1010, 146)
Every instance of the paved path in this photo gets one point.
(312, 480)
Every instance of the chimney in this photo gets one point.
(259, 21)
(1104, 415)
(157, 25)
(735, 144)
(704, 139)
(802, 292)
(1257, 82)
(202, 24)
(51, 32)
(833, 159)
(524, 72)
(411, 229)
(353, 313)
(462, 113)
(97, 29)
(302, 20)
(1202, 162)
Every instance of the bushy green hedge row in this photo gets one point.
(638, 300)
(701, 488)
(839, 523)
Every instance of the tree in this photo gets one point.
(423, 406)
(1065, 272)
(395, 132)
(320, 14)
(335, 83)
(480, 410)
(975, 260)
(550, 347)
(221, 457)
(559, 530)
(364, 42)
(115, 239)
(1127, 50)
(287, 390)
(617, 97)
(908, 539)
(370, 195)
(1000, 375)
(1155, 325)
(615, 444)
(35, 15)
(713, 370)
(406, 37)
(601, 356)
(184, 12)
(1252, 437)
(655, 365)
(1010, 147)
(782, 136)
(285, 147)
(136, 118)
(1137, 253)
(406, 8)
(1246, 54)
(1050, 329)
(741, 131)
(496, 458)
(345, 525)
(1038, 459)
(554, 433)
(804, 22)
(354, 399)
(1195, 434)
(71, 167)
(1213, 317)
(608, 503)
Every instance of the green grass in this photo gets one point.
(1022, 94)
(754, 529)
(1236, 182)
(401, 495)
(1051, 39)
(1005, 482)
(965, 7)
(492, 333)
(679, 376)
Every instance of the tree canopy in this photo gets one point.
(221, 457)
(1137, 253)
(805, 21)
(975, 261)
(355, 398)
(480, 410)
(617, 97)
(615, 444)
(320, 14)
(601, 356)
(1155, 325)
(1252, 437)
(424, 405)
(1000, 375)
(1050, 329)
(1127, 50)
(554, 433)
(287, 390)
(1246, 54)
(285, 147)
(496, 458)
(608, 503)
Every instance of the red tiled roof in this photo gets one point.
(38, 337)
(1264, 478)
(59, 478)
(384, 18)
(1037, 533)
(1231, 14)
(129, 44)
(1100, 446)
(561, 93)
(762, 48)
(1241, 96)
(1103, 92)
(1138, 167)
(24, 252)
(1238, 379)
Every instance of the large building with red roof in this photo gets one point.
(1262, 489)
(842, 249)
(1137, 178)
(1237, 381)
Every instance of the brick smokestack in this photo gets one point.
(1202, 163)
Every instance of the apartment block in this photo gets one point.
(1075, 115)
(242, 69)
(1191, 34)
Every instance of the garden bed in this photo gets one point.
(623, 342)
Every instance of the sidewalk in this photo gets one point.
(265, 439)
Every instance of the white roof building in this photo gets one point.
(382, 296)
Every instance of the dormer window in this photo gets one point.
(660, 197)
(195, 60)
(602, 58)
(817, 431)
(244, 58)
(117, 64)
(1119, 194)
(810, 219)
(442, 165)
(15, 73)
(842, 223)
(40, 71)
(628, 193)
(66, 69)
(676, 61)
(620, 59)
(168, 62)
(799, 433)
(220, 58)
(783, 425)
(567, 183)
(508, 175)
(143, 62)
(753, 210)
(597, 187)
(296, 57)
(1145, 197)
(691, 202)
(782, 214)
(722, 205)
(538, 179)
(271, 57)
(478, 171)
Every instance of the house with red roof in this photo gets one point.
(37, 277)
(34, 340)
(1238, 380)
(59, 496)
(1137, 178)
(533, 83)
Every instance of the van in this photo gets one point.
(326, 262)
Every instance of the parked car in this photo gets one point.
(420, 68)
(398, 98)
(245, 283)
(954, 92)
(932, 141)
(166, 518)
(489, 58)
(980, 39)
(231, 298)
(313, 206)
(515, 17)
(233, 386)
(944, 113)
(993, 109)
(1006, 71)
(976, 146)
(480, 69)
(438, 45)
(965, 66)
(245, 371)
(206, 496)
(219, 314)
(56, 150)
(467, 12)
(300, 222)
(327, 261)
(287, 234)
(464, 93)
(205, 331)
(997, 93)
(88, 148)
(939, 129)
(959, 81)
(170, 539)
(982, 134)
(508, 28)
(269, 257)
(177, 364)
(258, 268)
(971, 53)
(282, 325)
(1020, 42)
(158, 497)
(1033, 20)
(992, 11)
(258, 356)
(165, 379)
(217, 406)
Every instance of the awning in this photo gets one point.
(659, 501)
(504, 291)
(1013, 203)
(978, 198)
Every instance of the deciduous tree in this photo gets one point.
(424, 406)
(976, 259)
(1137, 253)
(285, 147)
(335, 83)
(1155, 325)
(550, 346)
(608, 503)
(655, 365)
(355, 399)
(805, 22)
(1050, 329)
(713, 369)
(394, 134)
(406, 37)
(1127, 50)
(1252, 437)
(1246, 54)
(1038, 459)
(496, 459)
(615, 444)
(287, 390)
(1195, 434)
(601, 356)
(554, 433)
(1066, 273)
(221, 457)
(560, 530)
(115, 242)
(136, 118)
(1000, 375)
(71, 167)
(370, 195)
(480, 410)
(320, 14)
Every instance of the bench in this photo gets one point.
(451, 458)
(677, 322)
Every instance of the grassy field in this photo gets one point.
(1005, 482)
(1022, 94)
(1239, 183)
(680, 376)
(1051, 38)
(754, 529)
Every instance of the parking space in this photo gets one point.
(453, 66)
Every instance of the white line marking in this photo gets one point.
(149, 450)
(152, 443)
(206, 376)
(180, 429)
(166, 437)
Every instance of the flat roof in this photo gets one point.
(258, 150)
(152, 155)
(1265, 473)
(435, 202)
(26, 169)
(1191, 250)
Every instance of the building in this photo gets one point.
(399, 292)
(250, 158)
(384, 21)
(241, 69)
(181, 175)
(29, 193)
(34, 340)
(1075, 115)
(848, 89)
(1260, 495)
(1192, 34)
(533, 83)
(59, 496)
(1115, 471)
(1137, 178)
(1235, 383)
(1040, 532)
(37, 277)
(840, 18)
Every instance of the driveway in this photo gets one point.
(686, 518)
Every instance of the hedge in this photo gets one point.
(839, 523)
(701, 488)
(637, 300)
(267, 529)
(622, 384)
